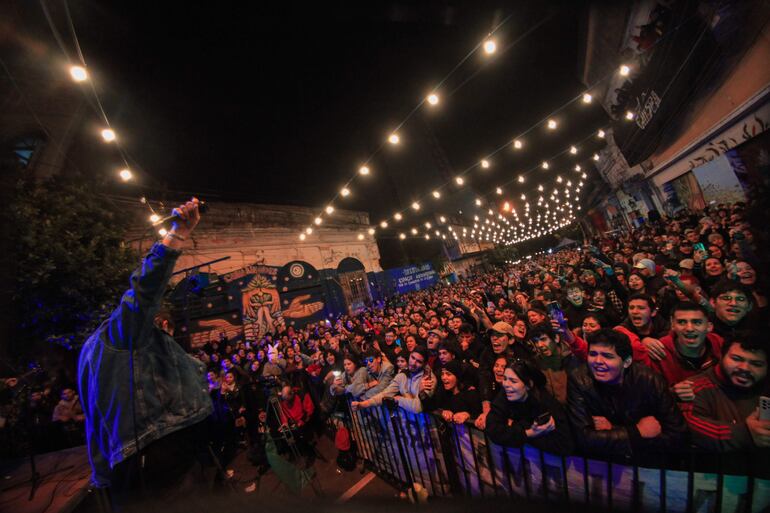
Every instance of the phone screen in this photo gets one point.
(556, 313)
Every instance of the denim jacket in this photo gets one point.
(170, 391)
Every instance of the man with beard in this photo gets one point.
(408, 389)
(618, 408)
(690, 349)
(724, 415)
(644, 328)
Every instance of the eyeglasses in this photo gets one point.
(369, 360)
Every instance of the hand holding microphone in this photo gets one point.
(183, 219)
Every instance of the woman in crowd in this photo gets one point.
(525, 413)
(455, 402)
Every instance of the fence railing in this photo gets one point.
(448, 460)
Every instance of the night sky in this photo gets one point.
(280, 104)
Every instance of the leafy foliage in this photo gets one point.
(69, 260)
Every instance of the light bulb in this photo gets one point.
(416, 206)
(587, 98)
(363, 170)
(360, 236)
(384, 224)
(402, 236)
(345, 192)
(485, 164)
(394, 139)
(318, 221)
(517, 144)
(624, 70)
(490, 46)
(371, 231)
(596, 157)
(521, 178)
(544, 165)
(459, 180)
(78, 73)
(630, 115)
(552, 124)
(433, 99)
(578, 168)
(154, 218)
(163, 232)
(573, 150)
(308, 230)
(126, 174)
(436, 194)
(600, 134)
(301, 236)
(108, 134)
(329, 209)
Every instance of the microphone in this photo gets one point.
(202, 209)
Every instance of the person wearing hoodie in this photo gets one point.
(455, 401)
(644, 328)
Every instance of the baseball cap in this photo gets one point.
(503, 327)
(645, 263)
(435, 332)
(687, 263)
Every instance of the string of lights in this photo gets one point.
(549, 122)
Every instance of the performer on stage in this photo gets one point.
(143, 397)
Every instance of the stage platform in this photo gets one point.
(63, 483)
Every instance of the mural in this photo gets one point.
(272, 297)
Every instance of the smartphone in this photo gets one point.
(337, 374)
(698, 246)
(542, 418)
(556, 313)
(764, 407)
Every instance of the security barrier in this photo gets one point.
(459, 460)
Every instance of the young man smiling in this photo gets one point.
(618, 408)
(691, 348)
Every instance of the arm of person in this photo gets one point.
(391, 390)
(669, 415)
(357, 385)
(710, 433)
(139, 304)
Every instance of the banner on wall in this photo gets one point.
(412, 278)
(719, 182)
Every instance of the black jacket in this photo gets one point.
(642, 393)
(522, 415)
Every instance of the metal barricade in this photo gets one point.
(448, 460)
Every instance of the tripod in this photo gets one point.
(286, 433)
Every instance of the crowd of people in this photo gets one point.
(637, 347)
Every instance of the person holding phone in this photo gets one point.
(525, 413)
